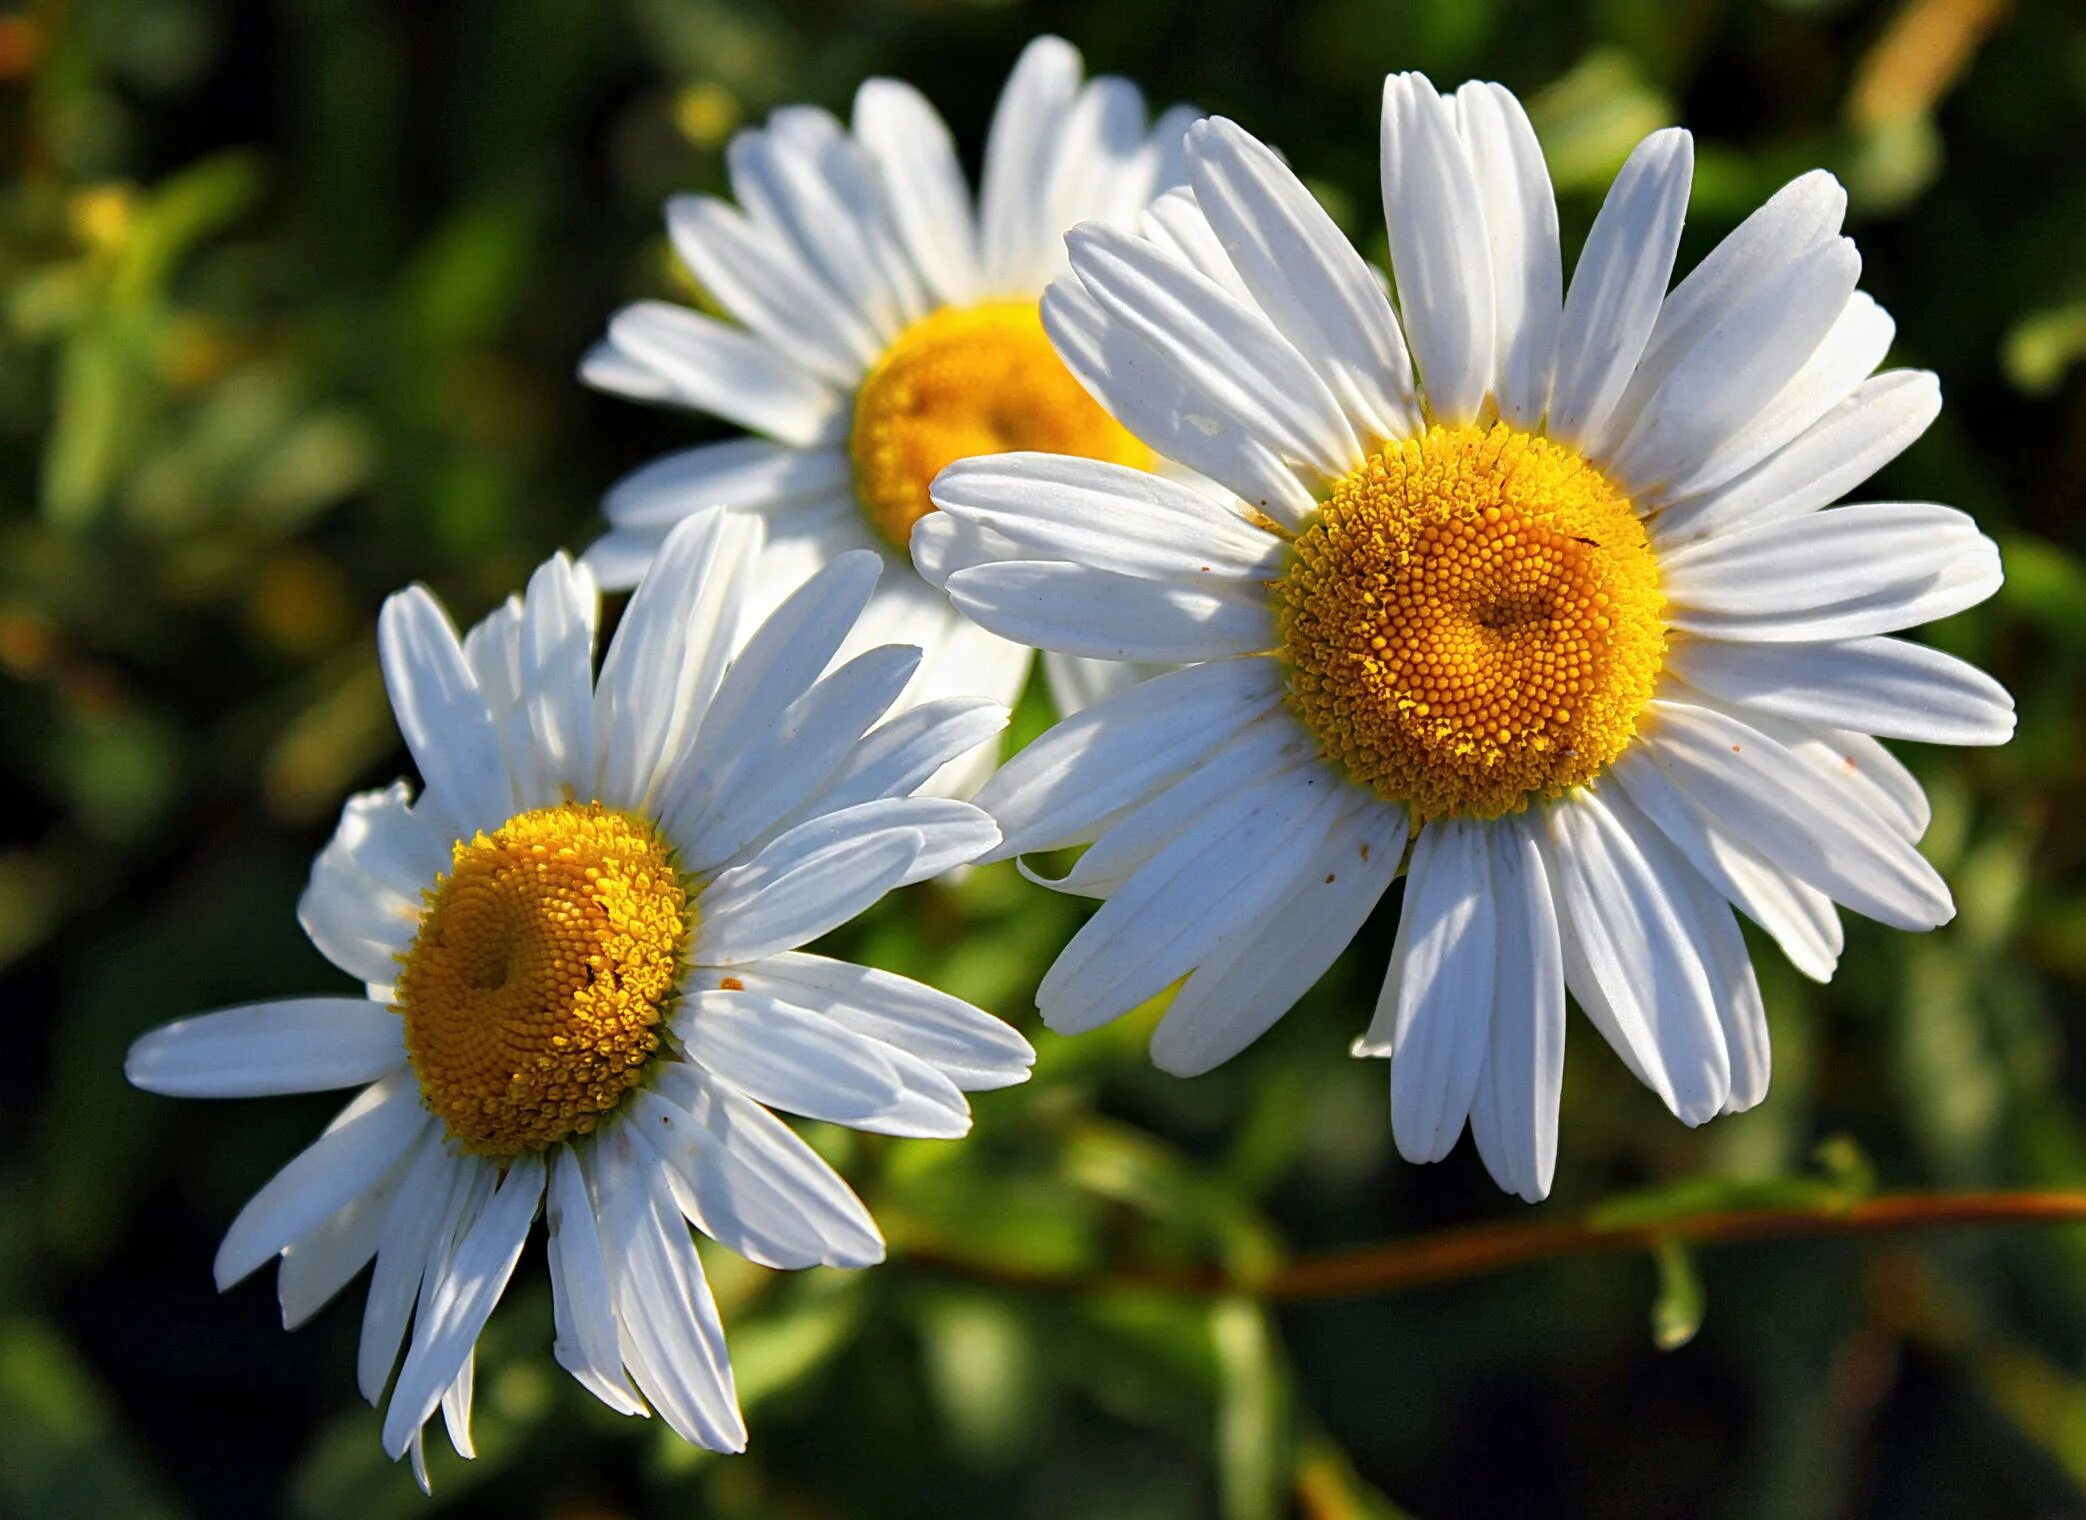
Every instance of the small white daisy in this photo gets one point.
(883, 330)
(582, 983)
(1550, 591)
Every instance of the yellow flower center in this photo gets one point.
(969, 380)
(545, 962)
(1473, 619)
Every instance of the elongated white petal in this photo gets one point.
(1224, 349)
(1016, 232)
(915, 160)
(1305, 275)
(1513, 1117)
(671, 1337)
(259, 1049)
(757, 275)
(787, 758)
(972, 1047)
(1236, 995)
(1061, 788)
(670, 651)
(728, 373)
(1841, 574)
(442, 715)
(463, 1300)
(1208, 885)
(1104, 516)
(1145, 391)
(786, 1057)
(319, 1263)
(582, 1299)
(557, 671)
(1437, 998)
(896, 758)
(1439, 253)
(1074, 610)
(1520, 212)
(1769, 798)
(357, 1148)
(1740, 1007)
(1834, 455)
(1628, 958)
(1175, 224)
(1618, 286)
(1878, 686)
(437, 1190)
(749, 1182)
(740, 472)
(1737, 367)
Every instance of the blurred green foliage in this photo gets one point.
(291, 293)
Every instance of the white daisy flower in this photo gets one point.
(582, 983)
(884, 329)
(1533, 579)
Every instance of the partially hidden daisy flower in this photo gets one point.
(881, 328)
(1525, 589)
(583, 987)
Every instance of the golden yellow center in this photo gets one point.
(545, 963)
(1473, 619)
(969, 380)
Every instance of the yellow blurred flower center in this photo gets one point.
(545, 962)
(969, 380)
(1473, 619)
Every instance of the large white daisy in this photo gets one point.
(884, 329)
(583, 990)
(1533, 580)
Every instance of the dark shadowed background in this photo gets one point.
(291, 296)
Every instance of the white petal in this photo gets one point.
(776, 666)
(1850, 350)
(1102, 170)
(972, 1047)
(672, 1340)
(1234, 997)
(1877, 686)
(1628, 958)
(1017, 233)
(756, 1187)
(787, 1057)
(438, 1194)
(1513, 1117)
(609, 368)
(1437, 999)
(670, 651)
(930, 204)
(1074, 610)
(1618, 286)
(1841, 574)
(260, 1049)
(1174, 223)
(756, 273)
(355, 1151)
(1439, 253)
(1105, 516)
(1855, 766)
(1145, 391)
(1076, 682)
(362, 905)
(582, 1300)
(823, 872)
(781, 762)
(1800, 216)
(1230, 355)
(319, 1263)
(1191, 899)
(1837, 453)
(557, 667)
(1735, 369)
(1520, 213)
(740, 472)
(1305, 276)
(1772, 800)
(442, 715)
(896, 757)
(728, 372)
(1740, 1007)
(1059, 790)
(463, 1300)
(1801, 918)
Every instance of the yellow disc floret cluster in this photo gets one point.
(545, 962)
(964, 381)
(1472, 620)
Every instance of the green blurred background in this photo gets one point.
(291, 295)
